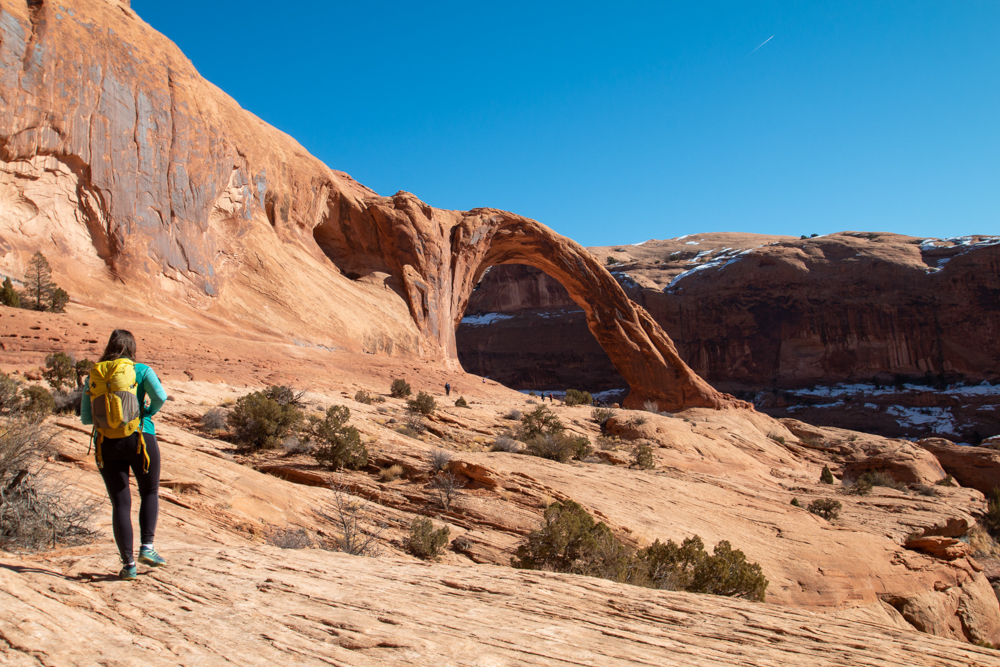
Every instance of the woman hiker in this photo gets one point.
(138, 450)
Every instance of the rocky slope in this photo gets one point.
(719, 474)
(879, 320)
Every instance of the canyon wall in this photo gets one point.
(773, 314)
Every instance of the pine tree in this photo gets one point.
(38, 284)
(8, 295)
(827, 475)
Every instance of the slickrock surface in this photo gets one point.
(265, 606)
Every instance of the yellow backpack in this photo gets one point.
(114, 404)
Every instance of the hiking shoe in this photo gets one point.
(148, 556)
(128, 573)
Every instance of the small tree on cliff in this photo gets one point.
(8, 295)
(38, 285)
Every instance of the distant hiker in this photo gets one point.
(447, 389)
(124, 437)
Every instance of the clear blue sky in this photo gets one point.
(618, 122)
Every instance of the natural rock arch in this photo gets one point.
(439, 256)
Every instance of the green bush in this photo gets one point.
(828, 508)
(461, 402)
(363, 396)
(337, 444)
(571, 541)
(796, 503)
(642, 456)
(826, 477)
(780, 439)
(424, 542)
(688, 567)
(538, 422)
(83, 367)
(558, 447)
(424, 403)
(60, 370)
(38, 401)
(576, 397)
(601, 416)
(258, 422)
(400, 388)
(945, 481)
(8, 295)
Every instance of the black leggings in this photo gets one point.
(119, 455)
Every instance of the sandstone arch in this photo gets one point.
(439, 256)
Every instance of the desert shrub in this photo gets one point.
(539, 421)
(390, 473)
(796, 503)
(213, 420)
(924, 490)
(362, 396)
(946, 481)
(828, 508)
(879, 478)
(400, 388)
(288, 538)
(651, 406)
(826, 477)
(570, 540)
(576, 397)
(337, 444)
(780, 439)
(505, 444)
(566, 542)
(559, 447)
(60, 370)
(642, 456)
(447, 486)
(38, 400)
(461, 544)
(83, 368)
(461, 402)
(688, 567)
(424, 403)
(424, 542)
(259, 422)
(607, 443)
(991, 521)
(293, 445)
(601, 416)
(284, 395)
(68, 401)
(439, 460)
(859, 487)
(356, 534)
(36, 513)
(514, 415)
(10, 394)
(636, 421)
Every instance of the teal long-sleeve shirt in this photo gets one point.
(149, 385)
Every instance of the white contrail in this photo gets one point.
(762, 43)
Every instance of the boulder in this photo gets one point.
(974, 467)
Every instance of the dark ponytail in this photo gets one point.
(121, 345)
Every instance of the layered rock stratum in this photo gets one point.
(241, 261)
